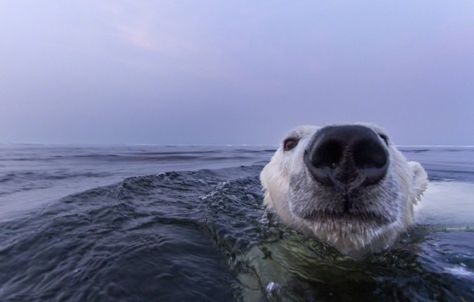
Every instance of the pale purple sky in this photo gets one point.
(234, 72)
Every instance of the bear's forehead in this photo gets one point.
(305, 130)
(302, 131)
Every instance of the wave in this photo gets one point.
(144, 237)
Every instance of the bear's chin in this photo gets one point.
(346, 217)
(352, 235)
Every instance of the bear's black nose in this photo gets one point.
(347, 157)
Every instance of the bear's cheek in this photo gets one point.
(302, 195)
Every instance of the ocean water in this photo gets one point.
(171, 223)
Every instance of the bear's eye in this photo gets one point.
(290, 143)
(384, 137)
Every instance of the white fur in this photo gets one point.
(393, 198)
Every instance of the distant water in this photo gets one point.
(167, 223)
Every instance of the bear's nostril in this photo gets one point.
(369, 154)
(371, 160)
(329, 154)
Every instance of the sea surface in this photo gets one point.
(186, 223)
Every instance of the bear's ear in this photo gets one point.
(420, 179)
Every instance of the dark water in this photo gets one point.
(147, 223)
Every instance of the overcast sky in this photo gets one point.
(234, 72)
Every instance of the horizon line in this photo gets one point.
(206, 145)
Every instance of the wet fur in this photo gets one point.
(370, 220)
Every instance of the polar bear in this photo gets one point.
(347, 185)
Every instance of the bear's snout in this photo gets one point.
(347, 157)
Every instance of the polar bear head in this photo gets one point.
(348, 185)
